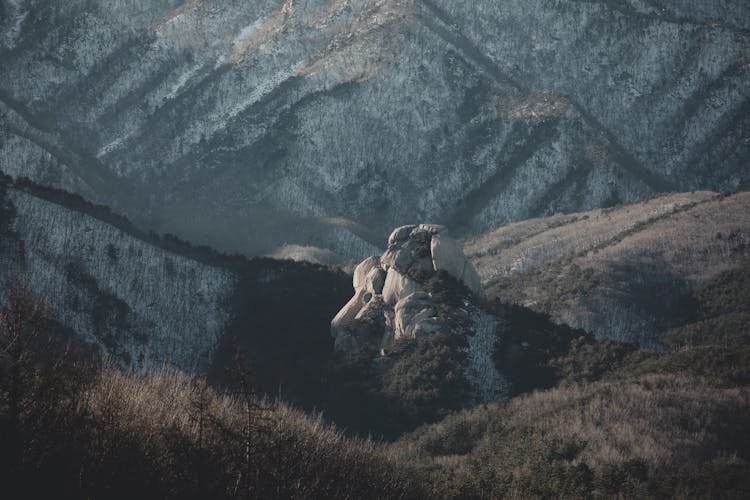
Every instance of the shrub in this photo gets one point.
(427, 380)
(633, 434)
(529, 343)
(80, 431)
(589, 360)
(7, 210)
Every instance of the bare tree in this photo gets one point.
(254, 415)
(22, 321)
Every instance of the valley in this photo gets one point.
(374, 249)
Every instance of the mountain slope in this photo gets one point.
(326, 123)
(655, 434)
(148, 300)
(629, 273)
(143, 305)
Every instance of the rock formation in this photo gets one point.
(396, 297)
(389, 300)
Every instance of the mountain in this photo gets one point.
(311, 128)
(147, 300)
(594, 418)
(131, 298)
(633, 272)
(418, 341)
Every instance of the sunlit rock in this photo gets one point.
(398, 286)
(415, 315)
(448, 256)
(362, 270)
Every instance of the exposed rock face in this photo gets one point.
(448, 255)
(358, 322)
(375, 281)
(398, 287)
(345, 318)
(391, 283)
(362, 272)
(415, 315)
(390, 303)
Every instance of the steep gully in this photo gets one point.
(442, 27)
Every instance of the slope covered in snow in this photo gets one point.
(323, 123)
(148, 300)
(130, 298)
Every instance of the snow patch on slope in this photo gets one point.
(155, 307)
(486, 381)
(14, 22)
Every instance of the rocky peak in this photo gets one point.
(389, 290)
(422, 285)
(292, 115)
(418, 251)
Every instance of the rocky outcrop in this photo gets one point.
(415, 316)
(358, 322)
(398, 287)
(396, 298)
(390, 288)
(362, 270)
(449, 256)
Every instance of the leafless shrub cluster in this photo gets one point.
(654, 434)
(98, 432)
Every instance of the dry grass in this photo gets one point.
(531, 244)
(177, 12)
(625, 272)
(293, 454)
(169, 435)
(648, 435)
(149, 405)
(265, 31)
(667, 420)
(364, 43)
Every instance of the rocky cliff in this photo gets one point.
(423, 286)
(323, 123)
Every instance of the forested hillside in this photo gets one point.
(324, 124)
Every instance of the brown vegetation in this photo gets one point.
(73, 430)
(664, 432)
(621, 422)
(722, 312)
(625, 272)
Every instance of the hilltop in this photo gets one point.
(631, 272)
